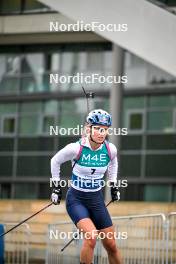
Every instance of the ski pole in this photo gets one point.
(25, 220)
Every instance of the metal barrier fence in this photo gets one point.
(56, 240)
(142, 239)
(172, 238)
(17, 244)
(57, 237)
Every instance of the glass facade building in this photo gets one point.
(30, 104)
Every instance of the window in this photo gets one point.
(130, 165)
(9, 124)
(134, 102)
(161, 101)
(25, 191)
(20, 6)
(160, 121)
(10, 84)
(133, 192)
(95, 61)
(8, 6)
(5, 191)
(131, 142)
(31, 107)
(101, 103)
(6, 144)
(33, 5)
(29, 125)
(6, 166)
(165, 142)
(71, 121)
(135, 121)
(72, 113)
(174, 193)
(50, 107)
(158, 193)
(30, 119)
(44, 191)
(133, 113)
(9, 74)
(8, 108)
(160, 165)
(33, 166)
(47, 122)
(36, 144)
(174, 121)
(33, 68)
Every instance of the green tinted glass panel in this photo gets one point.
(8, 108)
(156, 193)
(47, 122)
(135, 121)
(44, 191)
(72, 106)
(161, 101)
(9, 125)
(31, 107)
(36, 144)
(63, 141)
(101, 104)
(131, 142)
(28, 84)
(25, 191)
(133, 102)
(133, 192)
(130, 165)
(161, 165)
(33, 166)
(70, 121)
(7, 6)
(161, 142)
(6, 144)
(174, 194)
(29, 125)
(168, 2)
(5, 191)
(9, 85)
(6, 165)
(160, 121)
(34, 5)
(51, 107)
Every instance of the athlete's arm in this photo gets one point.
(69, 152)
(112, 173)
(113, 164)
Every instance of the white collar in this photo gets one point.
(85, 142)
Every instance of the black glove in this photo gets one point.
(56, 195)
(115, 194)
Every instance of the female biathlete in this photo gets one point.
(91, 156)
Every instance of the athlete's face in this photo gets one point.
(99, 133)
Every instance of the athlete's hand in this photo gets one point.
(115, 194)
(56, 195)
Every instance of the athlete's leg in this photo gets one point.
(90, 233)
(109, 243)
